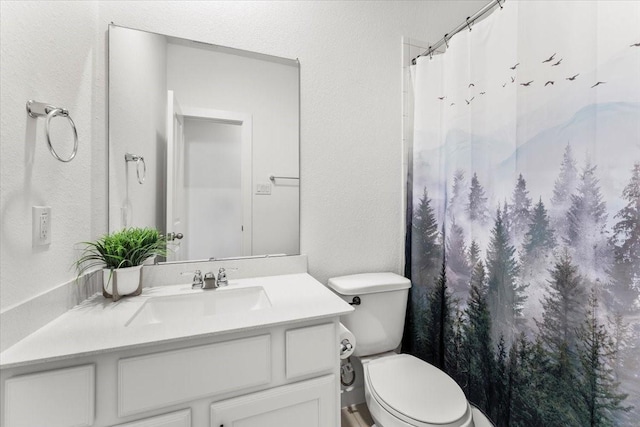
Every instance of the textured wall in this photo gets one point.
(351, 154)
(48, 53)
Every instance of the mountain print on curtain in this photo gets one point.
(525, 233)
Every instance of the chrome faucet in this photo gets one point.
(207, 282)
(222, 277)
(210, 281)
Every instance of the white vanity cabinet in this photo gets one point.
(284, 376)
(310, 403)
(275, 364)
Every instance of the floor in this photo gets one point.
(356, 416)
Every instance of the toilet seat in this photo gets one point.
(416, 393)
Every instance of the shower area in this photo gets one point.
(523, 225)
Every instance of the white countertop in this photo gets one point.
(98, 324)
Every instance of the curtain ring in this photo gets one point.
(468, 24)
(430, 53)
(61, 112)
(446, 43)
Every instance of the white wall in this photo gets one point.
(49, 52)
(267, 89)
(138, 80)
(351, 155)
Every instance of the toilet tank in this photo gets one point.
(378, 321)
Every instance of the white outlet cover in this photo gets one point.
(41, 225)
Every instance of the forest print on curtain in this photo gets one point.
(525, 234)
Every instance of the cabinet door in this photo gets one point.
(309, 403)
(311, 350)
(58, 398)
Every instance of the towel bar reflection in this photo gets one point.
(273, 177)
(39, 109)
(128, 157)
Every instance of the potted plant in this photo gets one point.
(121, 255)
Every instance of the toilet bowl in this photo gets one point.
(403, 391)
(400, 390)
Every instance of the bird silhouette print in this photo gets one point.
(526, 84)
(635, 45)
(550, 59)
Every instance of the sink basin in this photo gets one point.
(198, 306)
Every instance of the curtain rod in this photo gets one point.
(466, 24)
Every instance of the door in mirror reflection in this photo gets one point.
(213, 188)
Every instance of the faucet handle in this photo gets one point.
(197, 278)
(222, 276)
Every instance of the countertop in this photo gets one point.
(98, 325)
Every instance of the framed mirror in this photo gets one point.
(204, 145)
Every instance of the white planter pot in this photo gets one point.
(149, 261)
(121, 281)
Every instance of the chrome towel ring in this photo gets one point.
(128, 157)
(39, 109)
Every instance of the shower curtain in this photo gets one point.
(525, 227)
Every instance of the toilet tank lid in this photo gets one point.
(368, 283)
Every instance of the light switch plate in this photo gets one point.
(263, 189)
(41, 225)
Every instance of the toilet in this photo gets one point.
(400, 390)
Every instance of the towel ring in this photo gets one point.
(128, 157)
(39, 109)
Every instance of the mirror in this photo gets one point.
(204, 145)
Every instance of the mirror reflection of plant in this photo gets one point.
(121, 249)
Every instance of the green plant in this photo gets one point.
(125, 248)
